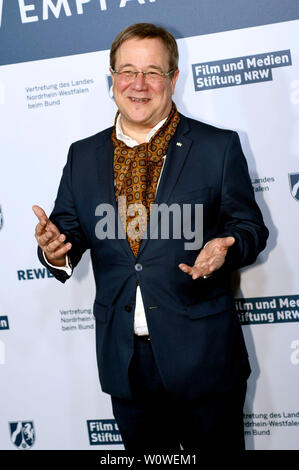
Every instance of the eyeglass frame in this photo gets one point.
(160, 74)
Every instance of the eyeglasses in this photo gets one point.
(129, 76)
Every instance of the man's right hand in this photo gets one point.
(49, 239)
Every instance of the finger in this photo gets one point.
(43, 220)
(198, 271)
(194, 271)
(45, 225)
(56, 244)
(44, 239)
(50, 227)
(59, 253)
(227, 241)
(201, 271)
(40, 229)
(185, 268)
(40, 214)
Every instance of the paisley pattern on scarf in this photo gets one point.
(136, 175)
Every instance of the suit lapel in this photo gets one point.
(176, 155)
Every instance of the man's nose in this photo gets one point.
(140, 82)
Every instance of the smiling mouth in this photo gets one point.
(139, 100)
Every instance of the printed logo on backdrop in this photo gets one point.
(44, 9)
(76, 320)
(30, 274)
(103, 431)
(294, 185)
(47, 95)
(265, 423)
(4, 323)
(110, 85)
(22, 434)
(262, 184)
(1, 218)
(239, 70)
(63, 20)
(263, 310)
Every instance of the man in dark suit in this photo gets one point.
(170, 347)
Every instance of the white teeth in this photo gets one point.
(139, 100)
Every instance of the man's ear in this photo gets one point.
(174, 78)
(112, 74)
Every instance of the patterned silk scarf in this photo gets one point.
(136, 175)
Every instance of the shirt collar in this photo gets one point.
(132, 142)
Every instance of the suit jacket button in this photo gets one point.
(138, 267)
(128, 308)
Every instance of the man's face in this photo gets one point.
(142, 104)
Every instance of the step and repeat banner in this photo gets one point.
(239, 69)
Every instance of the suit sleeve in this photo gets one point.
(240, 215)
(65, 217)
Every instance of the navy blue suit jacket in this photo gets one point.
(196, 337)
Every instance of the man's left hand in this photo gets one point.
(211, 258)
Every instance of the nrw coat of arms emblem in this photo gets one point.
(22, 434)
(294, 185)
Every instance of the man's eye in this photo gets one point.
(127, 73)
(153, 74)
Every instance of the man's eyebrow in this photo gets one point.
(156, 67)
(125, 65)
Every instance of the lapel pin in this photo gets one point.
(179, 144)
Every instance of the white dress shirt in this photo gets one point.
(140, 324)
